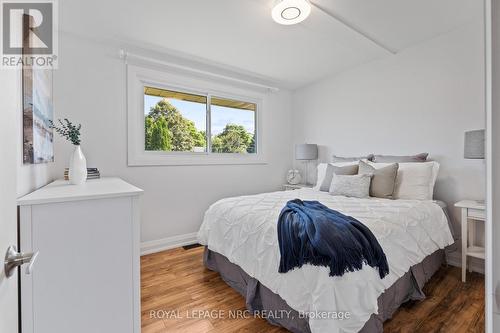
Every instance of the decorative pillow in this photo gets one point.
(321, 172)
(338, 170)
(400, 159)
(415, 181)
(337, 159)
(357, 186)
(383, 179)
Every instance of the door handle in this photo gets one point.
(14, 259)
(31, 261)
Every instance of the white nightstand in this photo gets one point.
(290, 187)
(473, 212)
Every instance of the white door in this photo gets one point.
(9, 137)
(493, 164)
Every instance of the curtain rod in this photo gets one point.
(126, 55)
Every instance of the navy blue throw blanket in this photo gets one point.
(311, 233)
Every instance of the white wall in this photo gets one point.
(420, 100)
(90, 88)
(32, 177)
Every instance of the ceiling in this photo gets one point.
(241, 34)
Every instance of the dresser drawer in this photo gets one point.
(476, 214)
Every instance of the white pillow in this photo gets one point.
(414, 181)
(321, 171)
(356, 186)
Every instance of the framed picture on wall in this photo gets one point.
(38, 137)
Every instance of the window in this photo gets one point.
(180, 118)
(176, 121)
(232, 126)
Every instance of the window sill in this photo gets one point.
(159, 159)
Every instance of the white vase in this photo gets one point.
(77, 167)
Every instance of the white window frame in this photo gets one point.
(138, 77)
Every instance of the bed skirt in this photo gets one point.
(258, 297)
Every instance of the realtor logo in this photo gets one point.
(29, 34)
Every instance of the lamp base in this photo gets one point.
(306, 180)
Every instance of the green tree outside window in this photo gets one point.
(167, 130)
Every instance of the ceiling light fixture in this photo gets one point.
(289, 12)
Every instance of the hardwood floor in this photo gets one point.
(180, 295)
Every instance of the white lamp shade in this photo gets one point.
(306, 151)
(474, 144)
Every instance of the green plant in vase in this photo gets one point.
(77, 162)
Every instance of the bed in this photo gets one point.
(240, 235)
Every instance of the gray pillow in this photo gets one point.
(356, 186)
(422, 157)
(330, 170)
(338, 159)
(383, 179)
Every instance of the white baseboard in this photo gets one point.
(168, 243)
(455, 259)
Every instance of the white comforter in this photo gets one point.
(244, 230)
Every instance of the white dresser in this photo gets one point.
(86, 277)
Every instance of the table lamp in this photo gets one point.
(306, 152)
